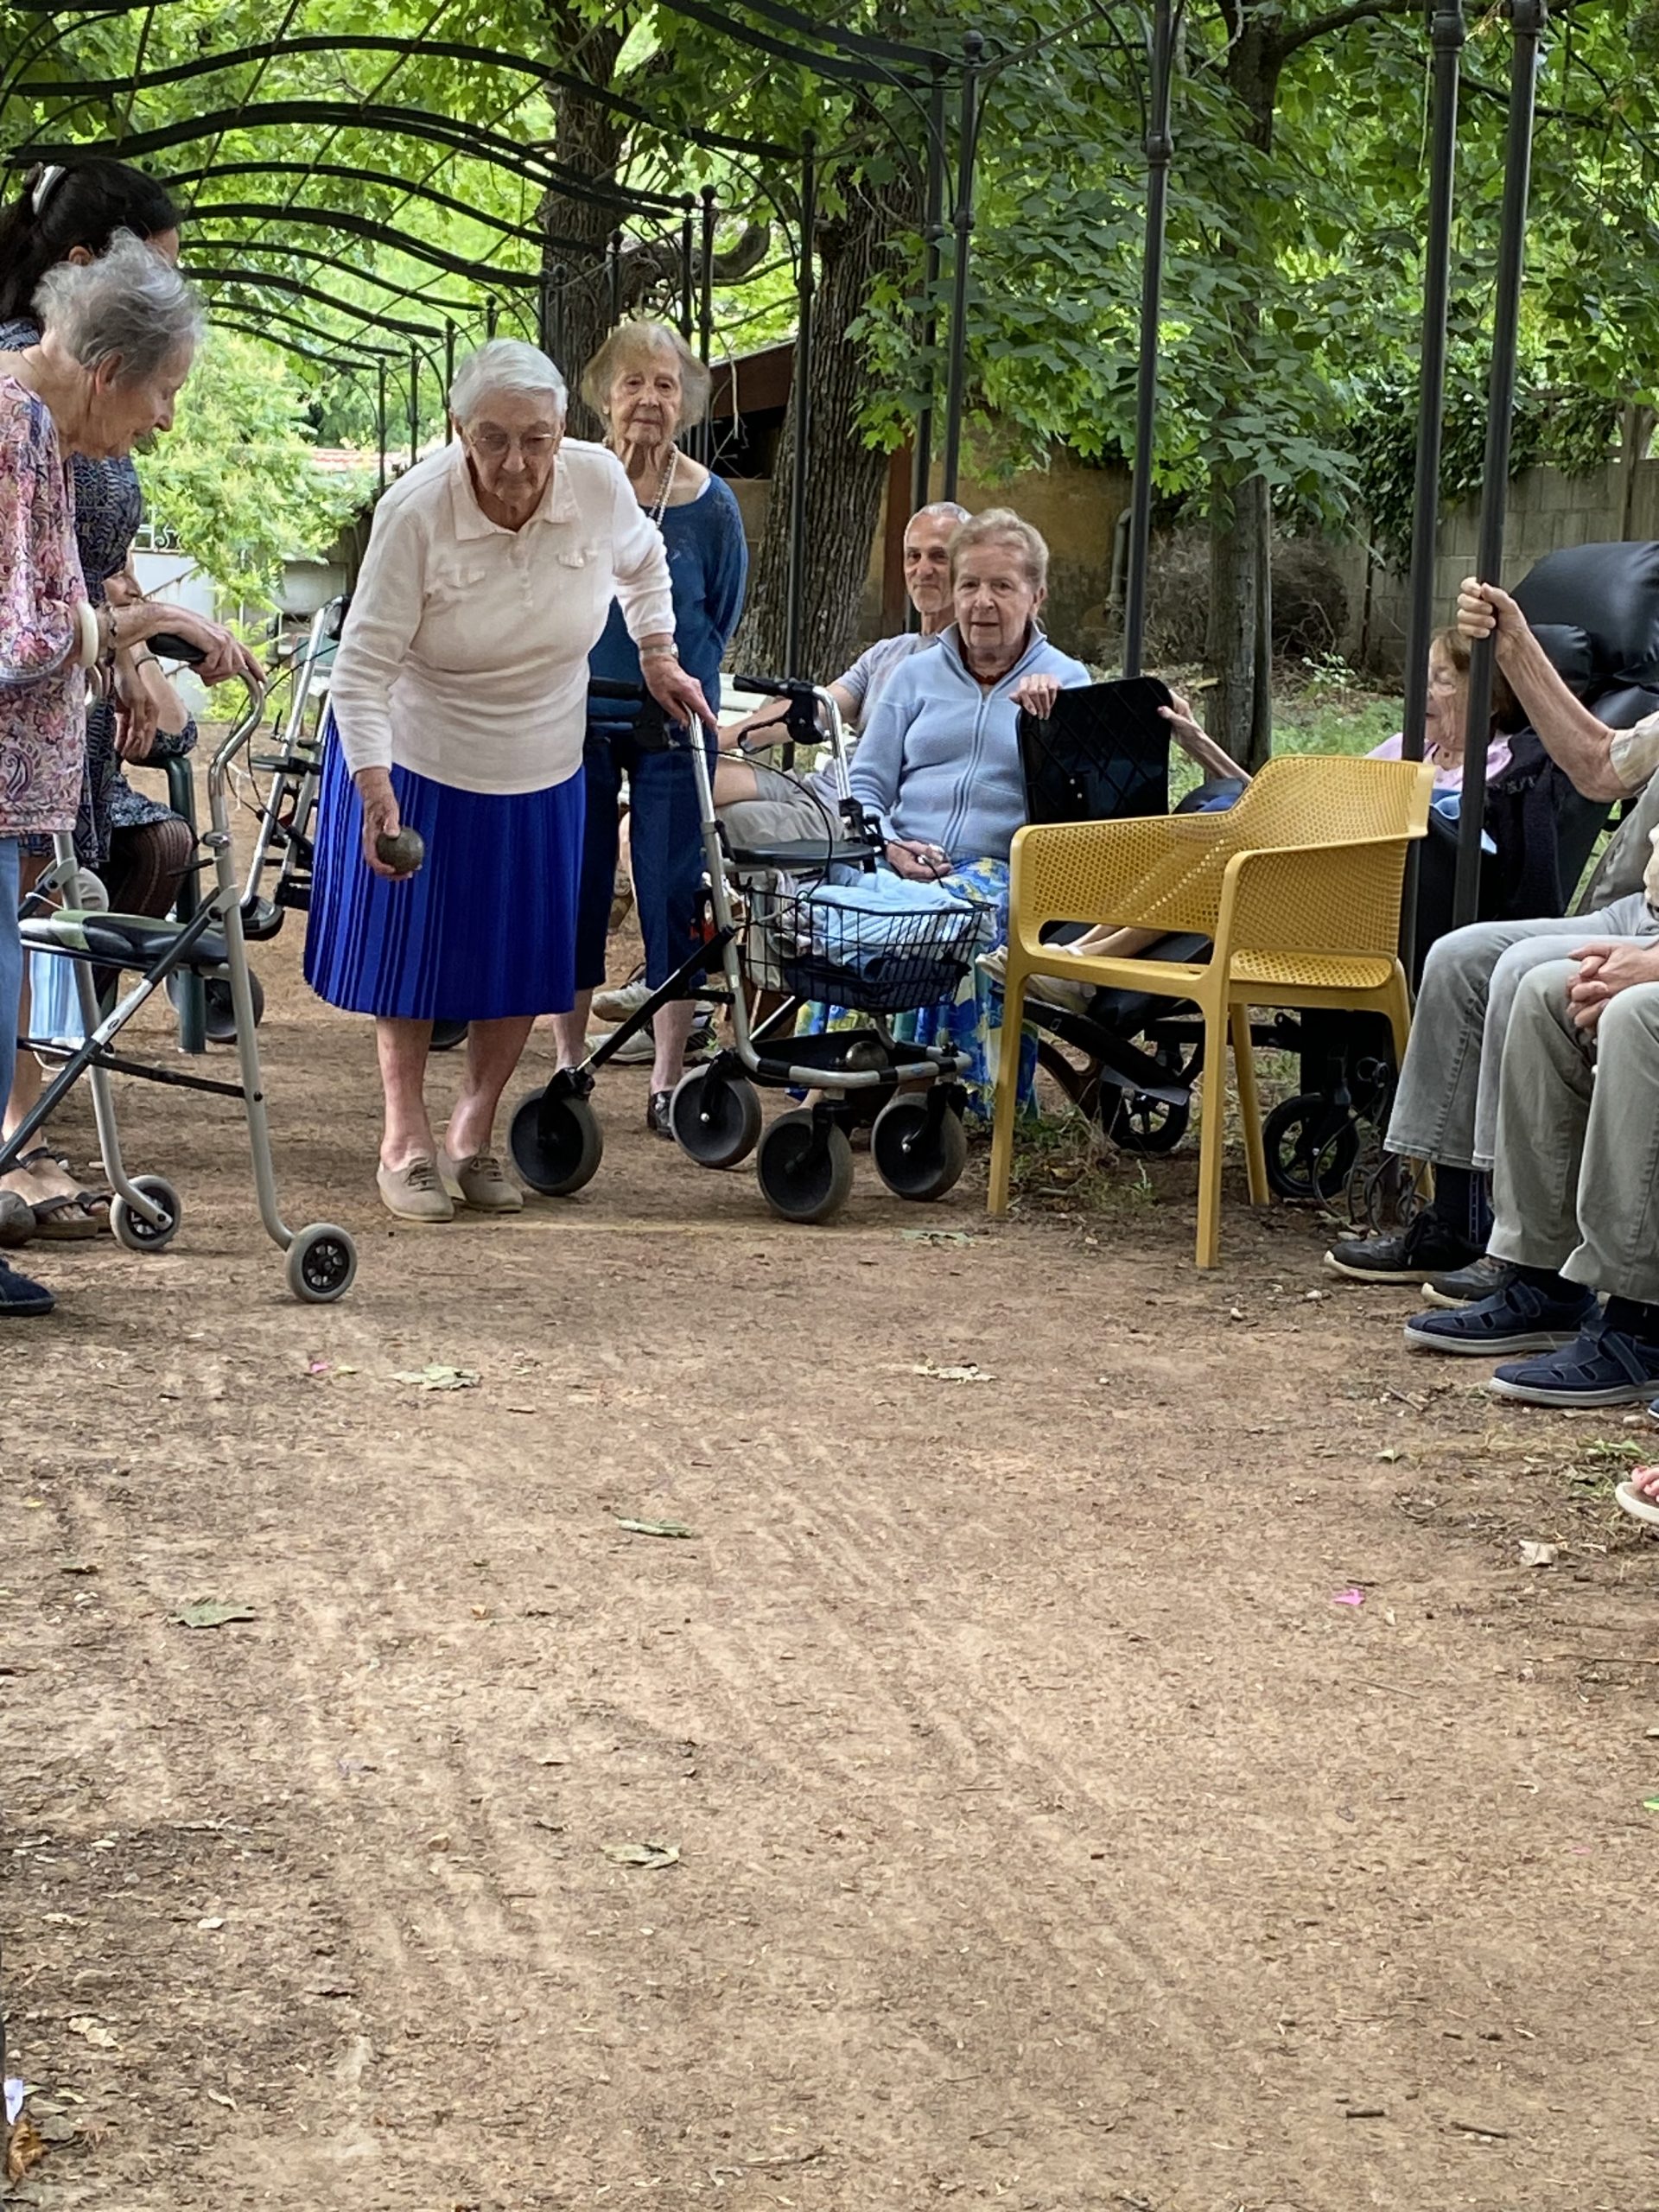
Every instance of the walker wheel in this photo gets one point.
(322, 1264)
(916, 1156)
(1311, 1145)
(219, 1011)
(130, 1228)
(805, 1167)
(715, 1118)
(446, 1035)
(557, 1144)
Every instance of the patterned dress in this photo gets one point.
(109, 507)
(40, 588)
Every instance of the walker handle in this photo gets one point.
(772, 687)
(166, 646)
(602, 687)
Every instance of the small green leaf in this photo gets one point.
(212, 1612)
(654, 1528)
(439, 1378)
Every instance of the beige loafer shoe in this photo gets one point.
(483, 1184)
(415, 1193)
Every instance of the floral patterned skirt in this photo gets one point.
(969, 1024)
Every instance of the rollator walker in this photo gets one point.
(146, 1210)
(782, 922)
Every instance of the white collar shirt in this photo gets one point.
(464, 656)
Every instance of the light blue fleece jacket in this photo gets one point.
(939, 759)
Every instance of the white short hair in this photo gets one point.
(129, 308)
(505, 365)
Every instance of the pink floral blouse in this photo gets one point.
(42, 724)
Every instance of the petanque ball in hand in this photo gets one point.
(401, 851)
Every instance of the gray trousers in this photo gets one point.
(1446, 1108)
(1576, 1185)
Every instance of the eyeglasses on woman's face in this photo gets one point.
(534, 446)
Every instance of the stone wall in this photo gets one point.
(1547, 510)
(1076, 508)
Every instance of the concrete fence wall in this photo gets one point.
(1547, 510)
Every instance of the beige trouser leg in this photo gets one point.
(1576, 1182)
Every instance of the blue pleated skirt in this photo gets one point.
(486, 928)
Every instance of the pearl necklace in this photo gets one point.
(667, 486)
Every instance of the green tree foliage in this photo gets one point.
(235, 483)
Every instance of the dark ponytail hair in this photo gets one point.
(85, 204)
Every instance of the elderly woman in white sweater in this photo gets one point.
(459, 696)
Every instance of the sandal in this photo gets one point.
(63, 1218)
(1632, 1501)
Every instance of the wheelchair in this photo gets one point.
(1131, 1062)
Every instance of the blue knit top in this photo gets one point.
(707, 568)
(939, 759)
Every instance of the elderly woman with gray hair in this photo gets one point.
(116, 338)
(459, 696)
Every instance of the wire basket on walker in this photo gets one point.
(803, 919)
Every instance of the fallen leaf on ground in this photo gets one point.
(936, 1236)
(91, 2029)
(24, 2149)
(77, 1566)
(1539, 1554)
(1390, 1454)
(654, 1528)
(651, 1855)
(436, 1377)
(212, 1612)
(971, 1372)
(1349, 1598)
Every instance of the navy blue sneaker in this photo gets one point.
(1602, 1367)
(21, 1298)
(1518, 1318)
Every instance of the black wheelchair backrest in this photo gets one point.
(1104, 753)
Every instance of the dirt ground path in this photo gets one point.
(1048, 1833)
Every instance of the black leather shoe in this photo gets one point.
(1427, 1248)
(1466, 1286)
(657, 1115)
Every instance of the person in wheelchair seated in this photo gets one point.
(1446, 1108)
(938, 768)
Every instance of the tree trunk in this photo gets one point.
(588, 139)
(1239, 645)
(844, 475)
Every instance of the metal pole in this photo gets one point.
(613, 265)
(1161, 149)
(973, 48)
(414, 403)
(380, 415)
(448, 379)
(801, 394)
(492, 314)
(921, 467)
(1447, 36)
(556, 313)
(688, 320)
(1529, 18)
(705, 316)
(545, 311)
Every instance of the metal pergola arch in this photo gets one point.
(921, 73)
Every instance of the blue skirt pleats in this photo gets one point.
(485, 930)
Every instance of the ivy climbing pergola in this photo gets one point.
(273, 211)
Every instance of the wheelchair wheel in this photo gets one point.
(1311, 1147)
(806, 1168)
(446, 1035)
(130, 1228)
(916, 1156)
(557, 1148)
(1141, 1124)
(715, 1118)
(322, 1264)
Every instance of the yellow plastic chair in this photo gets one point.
(1297, 889)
